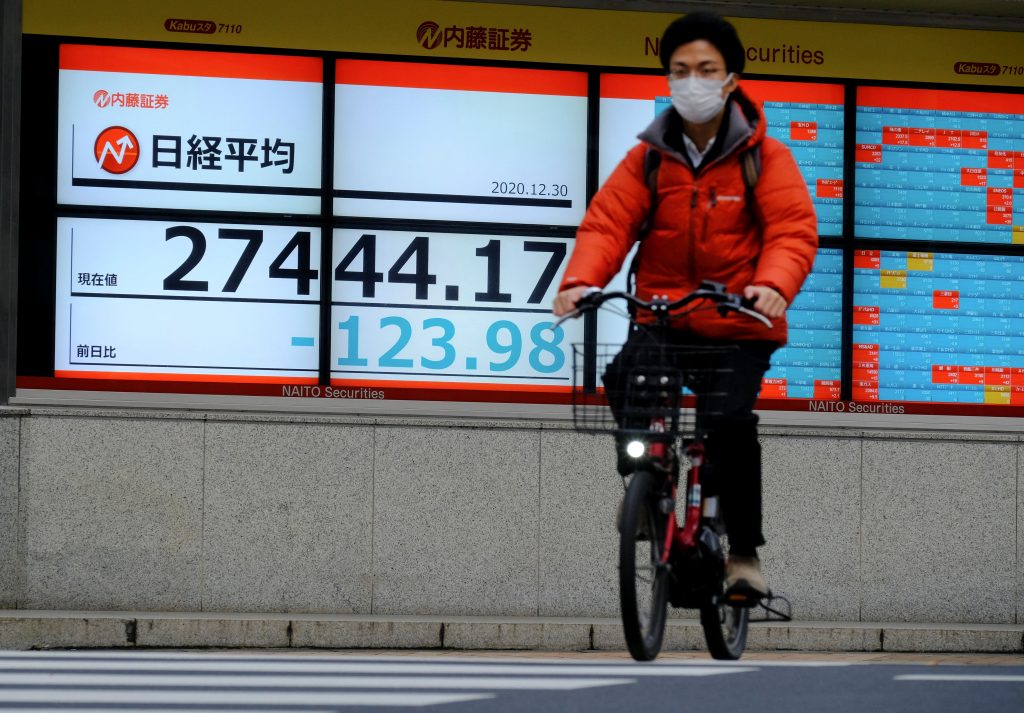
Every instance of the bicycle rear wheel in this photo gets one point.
(643, 579)
(725, 630)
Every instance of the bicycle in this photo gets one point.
(663, 561)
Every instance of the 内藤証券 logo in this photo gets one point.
(116, 150)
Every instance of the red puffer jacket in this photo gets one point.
(703, 228)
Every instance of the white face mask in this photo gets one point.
(698, 100)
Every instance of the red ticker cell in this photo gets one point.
(803, 131)
(826, 389)
(998, 376)
(942, 374)
(895, 136)
(946, 299)
(869, 153)
(975, 140)
(949, 138)
(773, 388)
(866, 315)
(1000, 159)
(999, 215)
(867, 259)
(865, 391)
(1017, 396)
(972, 375)
(866, 375)
(1000, 197)
(1017, 377)
(1018, 178)
(923, 137)
(829, 188)
(973, 177)
(865, 353)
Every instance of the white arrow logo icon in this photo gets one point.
(125, 142)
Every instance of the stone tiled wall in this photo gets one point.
(181, 511)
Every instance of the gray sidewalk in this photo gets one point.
(25, 629)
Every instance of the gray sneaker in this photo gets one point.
(743, 579)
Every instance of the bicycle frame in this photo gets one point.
(683, 536)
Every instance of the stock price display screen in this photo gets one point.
(807, 118)
(459, 143)
(810, 365)
(938, 327)
(940, 165)
(436, 307)
(155, 128)
(174, 300)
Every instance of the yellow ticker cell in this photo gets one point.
(922, 262)
(997, 398)
(1018, 235)
(893, 279)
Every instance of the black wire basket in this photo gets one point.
(667, 390)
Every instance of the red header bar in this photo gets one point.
(504, 80)
(940, 100)
(646, 86)
(191, 63)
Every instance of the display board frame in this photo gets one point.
(40, 212)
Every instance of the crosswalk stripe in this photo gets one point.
(268, 698)
(150, 708)
(982, 678)
(256, 666)
(298, 656)
(318, 682)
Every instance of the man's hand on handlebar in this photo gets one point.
(766, 300)
(565, 301)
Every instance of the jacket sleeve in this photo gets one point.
(790, 227)
(610, 225)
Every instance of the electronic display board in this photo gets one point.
(427, 307)
(940, 165)
(460, 143)
(186, 300)
(426, 300)
(808, 118)
(159, 128)
(810, 365)
(938, 327)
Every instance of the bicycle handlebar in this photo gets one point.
(662, 308)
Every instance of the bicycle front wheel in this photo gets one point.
(643, 579)
(725, 630)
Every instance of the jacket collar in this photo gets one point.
(746, 126)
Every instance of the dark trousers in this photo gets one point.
(729, 378)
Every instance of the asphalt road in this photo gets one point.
(322, 681)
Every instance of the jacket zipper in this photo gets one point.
(691, 266)
(707, 215)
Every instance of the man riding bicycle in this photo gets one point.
(756, 234)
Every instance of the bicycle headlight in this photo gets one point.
(636, 448)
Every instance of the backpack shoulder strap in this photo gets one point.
(652, 162)
(750, 166)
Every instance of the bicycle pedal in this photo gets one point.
(744, 597)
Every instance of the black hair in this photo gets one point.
(704, 26)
